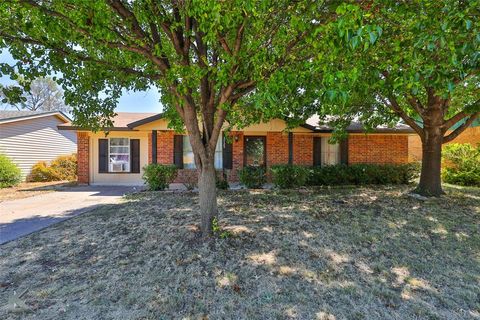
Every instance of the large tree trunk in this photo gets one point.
(208, 196)
(430, 177)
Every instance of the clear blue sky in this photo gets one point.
(147, 101)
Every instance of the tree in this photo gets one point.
(42, 94)
(418, 61)
(205, 57)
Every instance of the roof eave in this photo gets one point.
(59, 114)
(146, 120)
(76, 128)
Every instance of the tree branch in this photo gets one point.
(415, 103)
(455, 133)
(459, 116)
(129, 17)
(392, 103)
(66, 53)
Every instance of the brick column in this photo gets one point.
(165, 147)
(83, 157)
(237, 155)
(277, 148)
(303, 149)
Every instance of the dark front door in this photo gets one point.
(255, 153)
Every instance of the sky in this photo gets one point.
(146, 101)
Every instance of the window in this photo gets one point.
(188, 158)
(119, 155)
(330, 153)
(255, 151)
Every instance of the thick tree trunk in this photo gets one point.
(208, 196)
(430, 177)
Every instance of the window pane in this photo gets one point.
(119, 155)
(219, 153)
(254, 152)
(188, 158)
(124, 150)
(330, 152)
(119, 141)
(218, 159)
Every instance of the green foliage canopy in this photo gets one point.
(192, 51)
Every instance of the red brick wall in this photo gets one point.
(362, 149)
(150, 147)
(303, 149)
(470, 135)
(277, 148)
(237, 154)
(164, 147)
(378, 149)
(83, 155)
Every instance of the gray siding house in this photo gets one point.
(27, 137)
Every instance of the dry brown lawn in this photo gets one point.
(362, 253)
(30, 189)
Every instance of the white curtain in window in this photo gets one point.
(188, 158)
(330, 152)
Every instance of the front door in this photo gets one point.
(254, 151)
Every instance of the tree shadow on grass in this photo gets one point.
(326, 254)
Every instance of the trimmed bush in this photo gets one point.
(10, 174)
(461, 164)
(222, 182)
(289, 176)
(65, 167)
(363, 174)
(158, 176)
(252, 177)
(42, 172)
(60, 169)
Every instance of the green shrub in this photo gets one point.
(363, 174)
(59, 169)
(158, 176)
(252, 177)
(461, 164)
(222, 182)
(289, 176)
(10, 174)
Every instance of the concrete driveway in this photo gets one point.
(23, 216)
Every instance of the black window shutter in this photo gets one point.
(227, 154)
(102, 155)
(344, 151)
(135, 155)
(154, 146)
(178, 151)
(317, 151)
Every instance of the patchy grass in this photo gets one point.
(366, 253)
(30, 189)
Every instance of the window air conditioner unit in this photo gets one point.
(118, 167)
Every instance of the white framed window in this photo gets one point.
(188, 158)
(330, 153)
(119, 155)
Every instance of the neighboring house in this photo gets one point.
(470, 135)
(27, 137)
(139, 139)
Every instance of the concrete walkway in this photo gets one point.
(23, 216)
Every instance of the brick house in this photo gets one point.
(137, 139)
